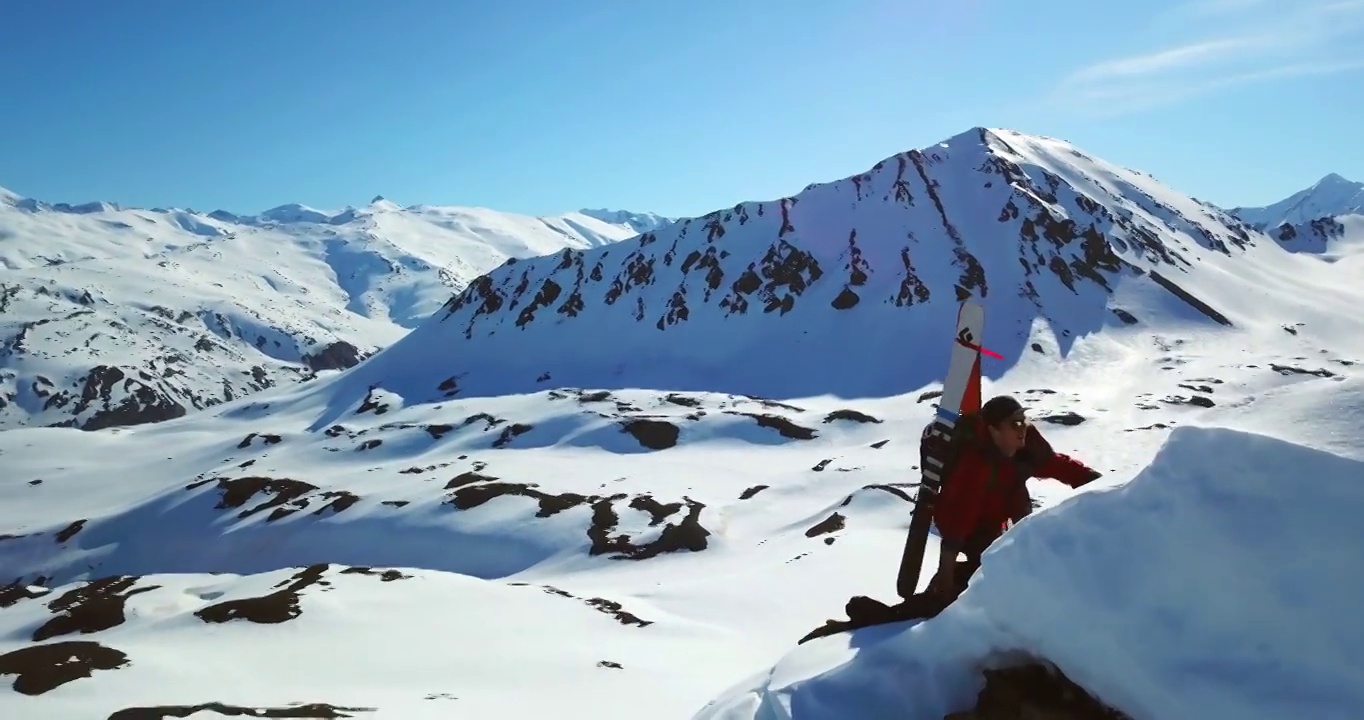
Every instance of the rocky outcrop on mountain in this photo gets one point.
(1322, 229)
(1031, 225)
(1034, 691)
(191, 310)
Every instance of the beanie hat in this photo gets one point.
(998, 409)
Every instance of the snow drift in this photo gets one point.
(1222, 582)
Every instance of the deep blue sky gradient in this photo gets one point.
(543, 106)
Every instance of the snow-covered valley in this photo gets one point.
(619, 476)
(112, 316)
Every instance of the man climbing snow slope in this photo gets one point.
(991, 455)
(986, 487)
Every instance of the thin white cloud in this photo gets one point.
(1239, 42)
(1169, 59)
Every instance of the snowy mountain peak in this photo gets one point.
(382, 204)
(870, 264)
(294, 213)
(640, 221)
(1333, 180)
(1331, 196)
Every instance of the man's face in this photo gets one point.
(1010, 434)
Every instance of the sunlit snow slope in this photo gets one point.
(1332, 195)
(835, 289)
(112, 316)
(1219, 583)
(598, 514)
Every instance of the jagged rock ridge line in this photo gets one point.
(993, 214)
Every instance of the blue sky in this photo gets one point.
(543, 106)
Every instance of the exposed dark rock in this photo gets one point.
(469, 496)
(141, 403)
(69, 531)
(467, 478)
(40, 668)
(1066, 418)
(783, 426)
(384, 576)
(338, 501)
(609, 607)
(833, 523)
(338, 355)
(750, 492)
(269, 440)
(309, 710)
(489, 421)
(1034, 691)
(371, 404)
(276, 607)
(236, 492)
(1187, 297)
(682, 400)
(652, 434)
(438, 431)
(774, 404)
(14, 592)
(892, 489)
(1292, 370)
(687, 534)
(658, 512)
(1197, 400)
(509, 433)
(846, 300)
(1127, 317)
(819, 466)
(92, 607)
(849, 414)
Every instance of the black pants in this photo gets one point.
(976, 545)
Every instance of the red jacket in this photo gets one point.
(986, 489)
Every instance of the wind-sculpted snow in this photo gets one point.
(112, 316)
(1209, 586)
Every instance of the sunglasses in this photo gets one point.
(1017, 422)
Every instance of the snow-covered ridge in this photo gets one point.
(1330, 196)
(113, 315)
(746, 296)
(640, 221)
(1202, 588)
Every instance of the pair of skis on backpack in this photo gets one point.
(961, 394)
